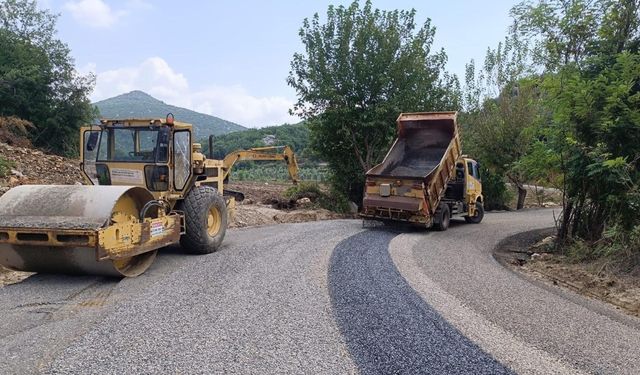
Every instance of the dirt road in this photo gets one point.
(319, 297)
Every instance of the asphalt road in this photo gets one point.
(323, 297)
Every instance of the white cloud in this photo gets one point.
(155, 77)
(98, 14)
(94, 13)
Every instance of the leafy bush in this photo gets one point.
(617, 251)
(331, 200)
(5, 167)
(495, 192)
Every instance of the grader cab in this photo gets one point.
(148, 186)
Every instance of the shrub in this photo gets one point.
(331, 200)
(5, 167)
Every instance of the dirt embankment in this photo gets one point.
(532, 254)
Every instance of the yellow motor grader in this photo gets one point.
(148, 186)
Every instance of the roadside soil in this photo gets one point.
(537, 197)
(30, 166)
(529, 253)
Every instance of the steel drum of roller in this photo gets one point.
(42, 227)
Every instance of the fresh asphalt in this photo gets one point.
(323, 297)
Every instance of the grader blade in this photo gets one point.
(82, 230)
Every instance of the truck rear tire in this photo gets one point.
(205, 220)
(479, 215)
(443, 218)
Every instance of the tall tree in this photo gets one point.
(38, 80)
(360, 69)
(502, 108)
(590, 54)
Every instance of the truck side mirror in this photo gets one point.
(92, 142)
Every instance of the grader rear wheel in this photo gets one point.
(205, 219)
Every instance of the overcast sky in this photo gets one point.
(231, 58)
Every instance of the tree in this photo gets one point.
(502, 109)
(360, 69)
(38, 80)
(590, 53)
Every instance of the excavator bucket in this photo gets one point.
(97, 230)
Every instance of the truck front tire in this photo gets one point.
(478, 216)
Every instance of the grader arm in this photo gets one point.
(263, 154)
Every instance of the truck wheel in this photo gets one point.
(205, 220)
(443, 218)
(478, 216)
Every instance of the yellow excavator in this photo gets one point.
(148, 185)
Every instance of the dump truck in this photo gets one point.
(424, 179)
(148, 185)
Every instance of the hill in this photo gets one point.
(138, 104)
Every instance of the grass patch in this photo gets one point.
(5, 167)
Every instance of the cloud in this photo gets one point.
(98, 14)
(155, 77)
(94, 13)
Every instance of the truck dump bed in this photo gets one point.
(412, 178)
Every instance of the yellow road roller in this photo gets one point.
(148, 185)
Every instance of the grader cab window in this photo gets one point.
(129, 145)
(182, 159)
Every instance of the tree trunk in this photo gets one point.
(522, 194)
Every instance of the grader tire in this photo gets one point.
(205, 220)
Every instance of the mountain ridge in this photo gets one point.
(139, 104)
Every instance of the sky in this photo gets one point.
(231, 59)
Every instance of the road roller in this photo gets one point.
(147, 186)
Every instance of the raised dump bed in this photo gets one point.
(412, 179)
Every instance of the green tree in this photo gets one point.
(38, 81)
(590, 54)
(360, 69)
(502, 110)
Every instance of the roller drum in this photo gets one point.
(46, 210)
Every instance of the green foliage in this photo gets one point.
(589, 54)
(5, 167)
(138, 104)
(360, 69)
(38, 81)
(503, 109)
(276, 171)
(495, 192)
(331, 200)
(618, 247)
(296, 136)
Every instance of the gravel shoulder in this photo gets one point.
(574, 333)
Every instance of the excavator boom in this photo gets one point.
(263, 153)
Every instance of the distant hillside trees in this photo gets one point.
(360, 69)
(38, 81)
(295, 136)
